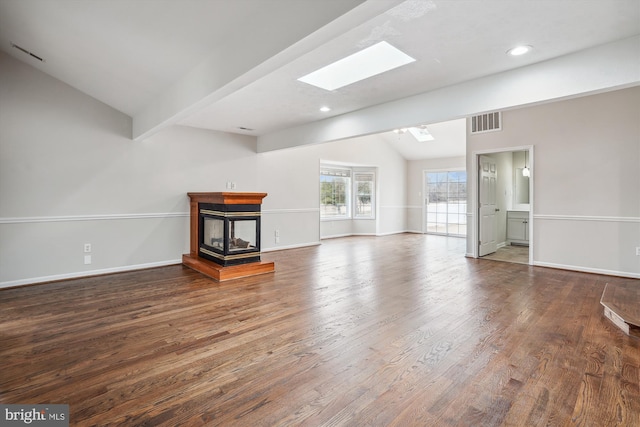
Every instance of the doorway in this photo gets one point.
(501, 186)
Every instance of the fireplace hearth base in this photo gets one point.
(225, 235)
(220, 273)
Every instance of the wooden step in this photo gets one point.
(622, 306)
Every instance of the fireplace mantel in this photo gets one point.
(215, 220)
(228, 198)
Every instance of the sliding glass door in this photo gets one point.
(446, 203)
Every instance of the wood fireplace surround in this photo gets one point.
(225, 235)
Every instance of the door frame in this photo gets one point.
(472, 187)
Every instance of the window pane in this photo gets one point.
(446, 202)
(364, 197)
(334, 196)
(462, 229)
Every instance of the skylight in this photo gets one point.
(421, 134)
(369, 62)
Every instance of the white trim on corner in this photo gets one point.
(282, 248)
(101, 217)
(587, 218)
(79, 274)
(335, 236)
(388, 233)
(391, 233)
(285, 211)
(412, 232)
(587, 269)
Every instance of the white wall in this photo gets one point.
(391, 202)
(586, 179)
(415, 177)
(70, 175)
(293, 177)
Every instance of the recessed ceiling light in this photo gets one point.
(519, 50)
(361, 65)
(325, 109)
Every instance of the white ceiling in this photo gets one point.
(449, 141)
(237, 62)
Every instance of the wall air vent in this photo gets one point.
(488, 122)
(23, 50)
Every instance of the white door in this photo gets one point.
(488, 224)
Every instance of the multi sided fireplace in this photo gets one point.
(225, 235)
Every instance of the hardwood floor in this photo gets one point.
(398, 330)
(510, 253)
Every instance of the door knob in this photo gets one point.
(497, 210)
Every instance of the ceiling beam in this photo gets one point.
(240, 62)
(599, 69)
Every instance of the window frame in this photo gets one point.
(372, 194)
(349, 172)
(444, 187)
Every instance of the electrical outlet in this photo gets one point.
(87, 248)
(277, 233)
(638, 251)
(233, 185)
(229, 185)
(87, 259)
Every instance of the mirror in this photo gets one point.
(521, 184)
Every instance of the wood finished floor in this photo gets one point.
(398, 330)
(510, 253)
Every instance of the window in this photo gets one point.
(346, 193)
(364, 188)
(335, 193)
(446, 202)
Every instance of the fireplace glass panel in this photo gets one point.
(214, 233)
(242, 234)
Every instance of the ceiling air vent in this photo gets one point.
(488, 122)
(23, 50)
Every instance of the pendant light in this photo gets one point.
(525, 171)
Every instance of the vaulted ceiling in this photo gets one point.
(233, 65)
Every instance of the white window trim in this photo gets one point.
(353, 170)
(358, 171)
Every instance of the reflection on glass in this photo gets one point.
(522, 187)
(214, 232)
(446, 202)
(242, 234)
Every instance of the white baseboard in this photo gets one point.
(282, 248)
(414, 231)
(587, 269)
(390, 233)
(335, 236)
(76, 275)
